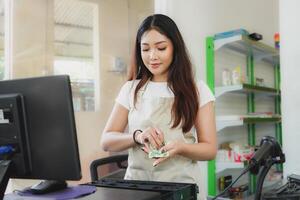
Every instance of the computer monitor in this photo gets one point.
(37, 123)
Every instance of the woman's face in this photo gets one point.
(157, 54)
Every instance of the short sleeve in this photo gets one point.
(124, 95)
(205, 93)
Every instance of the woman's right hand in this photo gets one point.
(151, 136)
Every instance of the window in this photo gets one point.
(73, 49)
(82, 73)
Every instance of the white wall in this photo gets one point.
(198, 19)
(290, 84)
(32, 34)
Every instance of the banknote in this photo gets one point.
(154, 153)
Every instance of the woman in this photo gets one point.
(166, 111)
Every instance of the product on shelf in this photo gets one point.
(226, 77)
(236, 76)
(277, 40)
(259, 81)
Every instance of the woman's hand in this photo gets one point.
(151, 136)
(173, 148)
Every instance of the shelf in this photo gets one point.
(221, 166)
(237, 44)
(242, 44)
(239, 120)
(246, 88)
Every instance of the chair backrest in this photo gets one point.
(118, 160)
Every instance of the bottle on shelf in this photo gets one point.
(277, 40)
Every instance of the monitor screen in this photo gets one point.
(37, 118)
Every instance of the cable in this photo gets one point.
(226, 189)
(261, 178)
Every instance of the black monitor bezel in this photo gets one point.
(49, 115)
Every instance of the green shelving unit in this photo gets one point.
(253, 51)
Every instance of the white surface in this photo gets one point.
(221, 166)
(290, 83)
(228, 120)
(224, 89)
(158, 89)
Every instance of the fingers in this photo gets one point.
(145, 149)
(160, 135)
(154, 136)
(152, 141)
(159, 160)
(164, 148)
(170, 149)
(156, 139)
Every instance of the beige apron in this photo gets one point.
(156, 112)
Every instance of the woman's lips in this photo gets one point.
(155, 66)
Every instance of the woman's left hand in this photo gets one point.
(173, 148)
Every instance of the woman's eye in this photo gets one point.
(145, 49)
(161, 49)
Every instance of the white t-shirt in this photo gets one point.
(159, 89)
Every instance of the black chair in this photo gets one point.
(118, 160)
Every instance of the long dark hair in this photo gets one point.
(180, 74)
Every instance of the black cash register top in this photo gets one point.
(167, 190)
(105, 193)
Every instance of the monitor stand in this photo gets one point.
(5, 170)
(47, 186)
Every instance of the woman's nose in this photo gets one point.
(153, 55)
